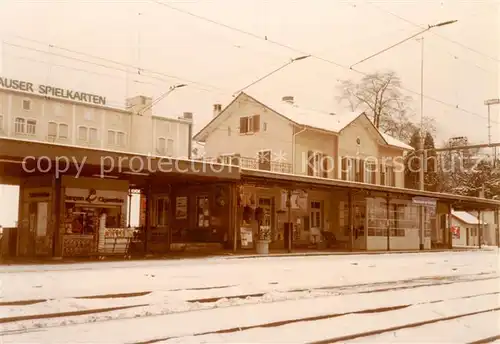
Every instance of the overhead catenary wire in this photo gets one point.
(195, 84)
(434, 33)
(125, 66)
(222, 91)
(271, 41)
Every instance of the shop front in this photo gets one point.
(395, 224)
(93, 218)
(189, 217)
(35, 233)
(282, 217)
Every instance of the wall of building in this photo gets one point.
(371, 146)
(394, 157)
(490, 228)
(73, 123)
(368, 146)
(468, 233)
(275, 133)
(316, 141)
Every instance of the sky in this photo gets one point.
(157, 47)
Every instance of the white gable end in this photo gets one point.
(223, 134)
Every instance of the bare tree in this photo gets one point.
(380, 96)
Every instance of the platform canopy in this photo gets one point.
(21, 158)
(288, 181)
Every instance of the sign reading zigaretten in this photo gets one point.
(52, 91)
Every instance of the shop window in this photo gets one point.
(42, 218)
(161, 211)
(202, 212)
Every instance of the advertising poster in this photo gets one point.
(181, 208)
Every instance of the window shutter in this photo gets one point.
(344, 168)
(374, 175)
(393, 177)
(52, 129)
(382, 175)
(325, 165)
(243, 125)
(309, 163)
(256, 123)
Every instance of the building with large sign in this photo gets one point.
(51, 114)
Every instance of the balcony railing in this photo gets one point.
(252, 163)
(273, 166)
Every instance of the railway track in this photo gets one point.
(336, 315)
(343, 339)
(252, 299)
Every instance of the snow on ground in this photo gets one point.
(349, 294)
(56, 281)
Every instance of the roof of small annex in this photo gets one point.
(467, 218)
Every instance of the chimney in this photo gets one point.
(138, 103)
(188, 116)
(217, 110)
(287, 99)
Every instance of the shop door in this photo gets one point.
(359, 225)
(33, 234)
(266, 203)
(26, 245)
(315, 220)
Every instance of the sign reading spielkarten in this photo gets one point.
(47, 90)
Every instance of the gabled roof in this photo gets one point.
(466, 217)
(311, 118)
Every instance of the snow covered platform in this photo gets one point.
(434, 297)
